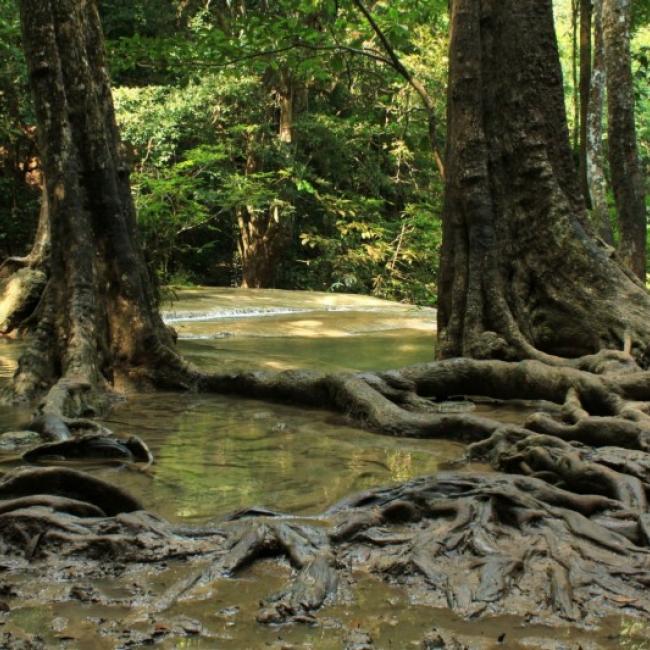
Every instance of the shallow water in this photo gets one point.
(217, 454)
(222, 617)
(278, 330)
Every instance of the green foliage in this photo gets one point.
(18, 199)
(356, 190)
(177, 201)
(198, 89)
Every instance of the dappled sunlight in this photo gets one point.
(387, 337)
(315, 469)
(10, 351)
(279, 365)
(202, 298)
(205, 313)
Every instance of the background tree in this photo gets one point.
(594, 152)
(345, 221)
(627, 179)
(586, 10)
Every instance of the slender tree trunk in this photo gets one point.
(263, 234)
(575, 22)
(285, 93)
(595, 156)
(520, 276)
(400, 68)
(627, 179)
(585, 91)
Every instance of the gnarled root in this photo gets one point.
(478, 544)
(571, 466)
(68, 483)
(51, 514)
(562, 535)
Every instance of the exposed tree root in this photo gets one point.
(562, 535)
(68, 483)
(92, 447)
(478, 544)
(19, 295)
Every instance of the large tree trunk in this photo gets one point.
(595, 162)
(520, 274)
(97, 319)
(627, 179)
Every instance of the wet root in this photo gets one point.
(478, 544)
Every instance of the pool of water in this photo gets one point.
(216, 454)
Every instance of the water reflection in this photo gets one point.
(216, 454)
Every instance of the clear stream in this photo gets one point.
(217, 454)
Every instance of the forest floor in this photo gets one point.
(102, 574)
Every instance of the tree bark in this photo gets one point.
(595, 157)
(262, 233)
(627, 179)
(585, 92)
(261, 236)
(575, 79)
(286, 101)
(97, 318)
(520, 274)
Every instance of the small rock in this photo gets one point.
(358, 640)
(436, 640)
(160, 629)
(59, 624)
(228, 612)
(85, 594)
(186, 625)
(12, 440)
